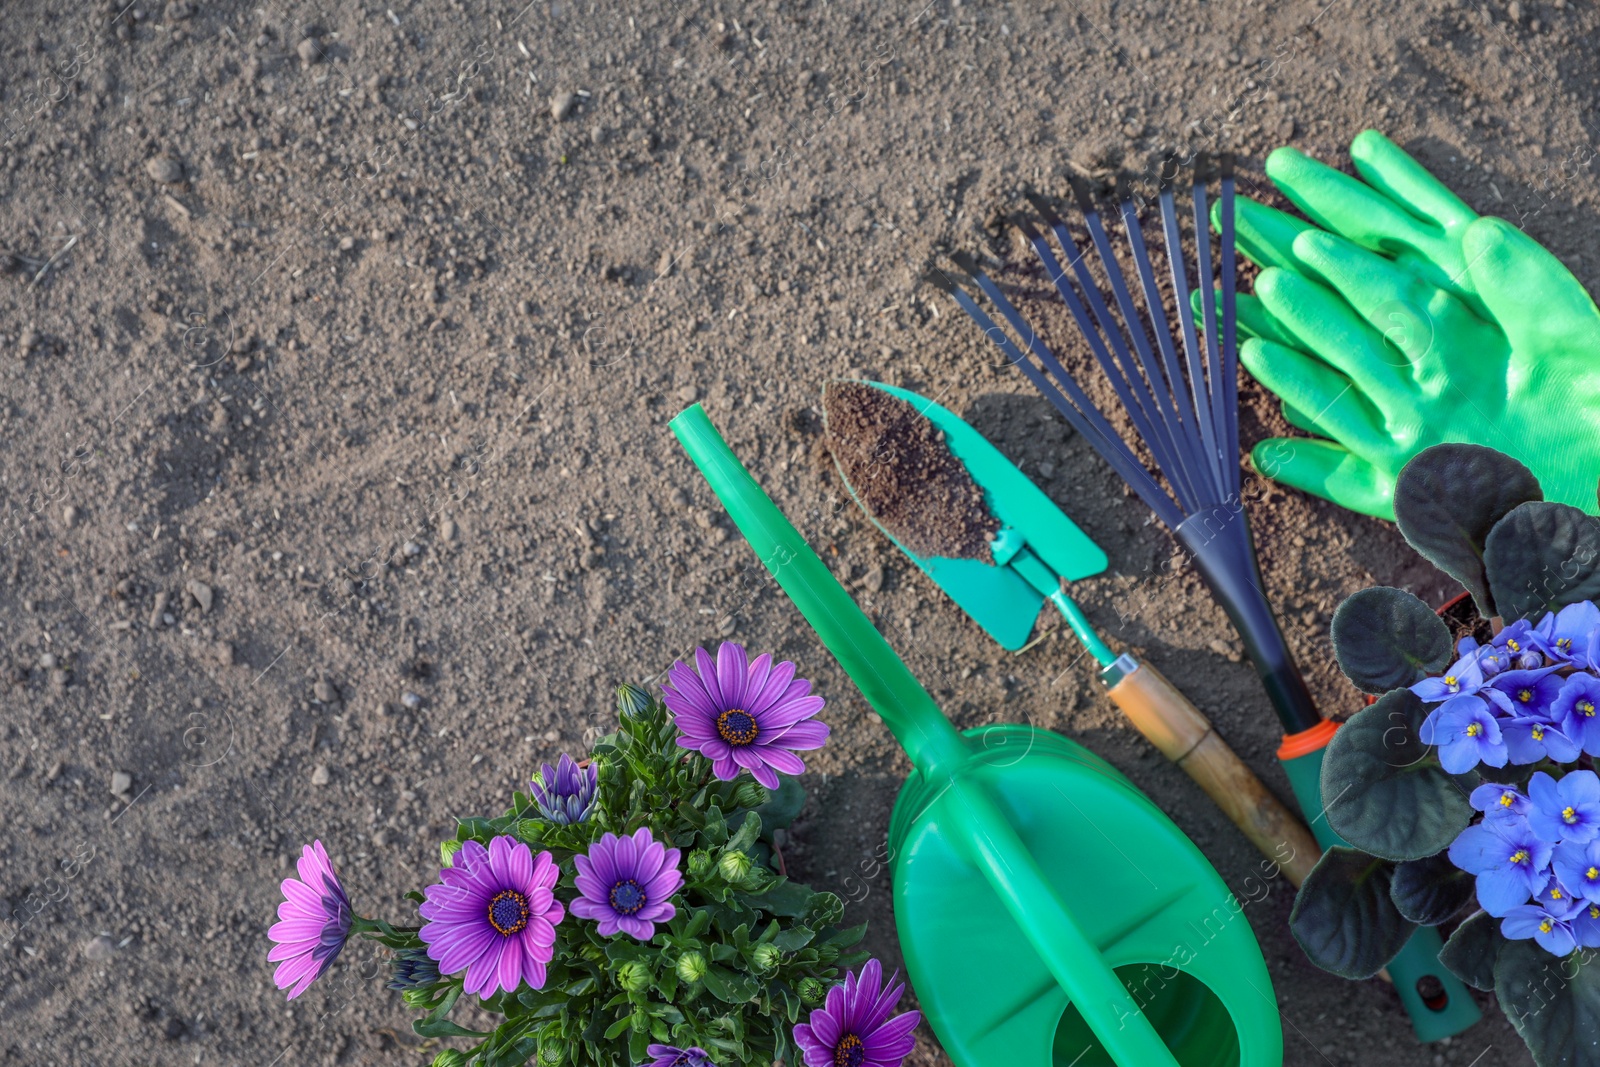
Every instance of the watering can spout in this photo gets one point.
(933, 745)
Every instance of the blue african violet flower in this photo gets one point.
(565, 793)
(1498, 801)
(1509, 859)
(1555, 893)
(1568, 635)
(1464, 678)
(1586, 925)
(1532, 738)
(1565, 810)
(1578, 866)
(1467, 734)
(1524, 693)
(1553, 929)
(1575, 708)
(1517, 638)
(1492, 660)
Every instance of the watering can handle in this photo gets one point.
(935, 748)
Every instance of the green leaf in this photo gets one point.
(1471, 951)
(1553, 1002)
(1449, 497)
(619, 1026)
(1431, 890)
(794, 939)
(1542, 557)
(1384, 790)
(730, 986)
(716, 828)
(1386, 638)
(783, 898)
(1343, 916)
(748, 832)
(443, 1028)
(698, 922)
(782, 808)
(848, 936)
(824, 909)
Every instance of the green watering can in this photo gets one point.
(1049, 913)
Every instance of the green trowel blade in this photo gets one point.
(998, 598)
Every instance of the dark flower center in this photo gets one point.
(626, 897)
(508, 912)
(849, 1052)
(737, 727)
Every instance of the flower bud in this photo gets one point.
(448, 849)
(699, 863)
(1529, 661)
(751, 795)
(552, 1050)
(632, 700)
(734, 866)
(450, 1058)
(812, 991)
(691, 967)
(766, 957)
(634, 976)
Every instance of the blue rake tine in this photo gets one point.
(1078, 409)
(1198, 392)
(1230, 339)
(1135, 399)
(1183, 485)
(1185, 430)
(1227, 454)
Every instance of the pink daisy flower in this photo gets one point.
(493, 914)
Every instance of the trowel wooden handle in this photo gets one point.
(1187, 738)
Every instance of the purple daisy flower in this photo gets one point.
(493, 913)
(627, 884)
(853, 1028)
(743, 714)
(313, 922)
(668, 1056)
(565, 793)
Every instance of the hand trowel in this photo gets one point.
(1036, 551)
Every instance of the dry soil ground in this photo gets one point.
(338, 340)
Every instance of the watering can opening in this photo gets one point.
(1191, 1019)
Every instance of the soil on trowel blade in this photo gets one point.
(904, 475)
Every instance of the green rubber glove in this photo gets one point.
(1407, 321)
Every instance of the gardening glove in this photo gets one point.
(1408, 321)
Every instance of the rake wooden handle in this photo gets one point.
(1186, 737)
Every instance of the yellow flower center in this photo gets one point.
(1586, 707)
(1555, 893)
(1545, 926)
(1511, 643)
(1520, 856)
(1507, 799)
(1564, 643)
(1538, 732)
(1592, 873)
(1569, 814)
(1524, 695)
(1450, 680)
(1474, 729)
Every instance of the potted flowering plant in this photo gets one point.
(619, 913)
(1468, 787)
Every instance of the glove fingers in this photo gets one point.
(1387, 168)
(1346, 206)
(1391, 300)
(1321, 396)
(1301, 421)
(1537, 302)
(1325, 469)
(1256, 321)
(1264, 235)
(1337, 335)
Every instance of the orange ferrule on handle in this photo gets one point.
(1307, 741)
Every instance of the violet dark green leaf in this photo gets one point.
(1448, 498)
(1344, 917)
(1471, 950)
(1553, 1002)
(1384, 789)
(1431, 890)
(1542, 557)
(1386, 638)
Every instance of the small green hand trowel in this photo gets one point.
(1037, 550)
